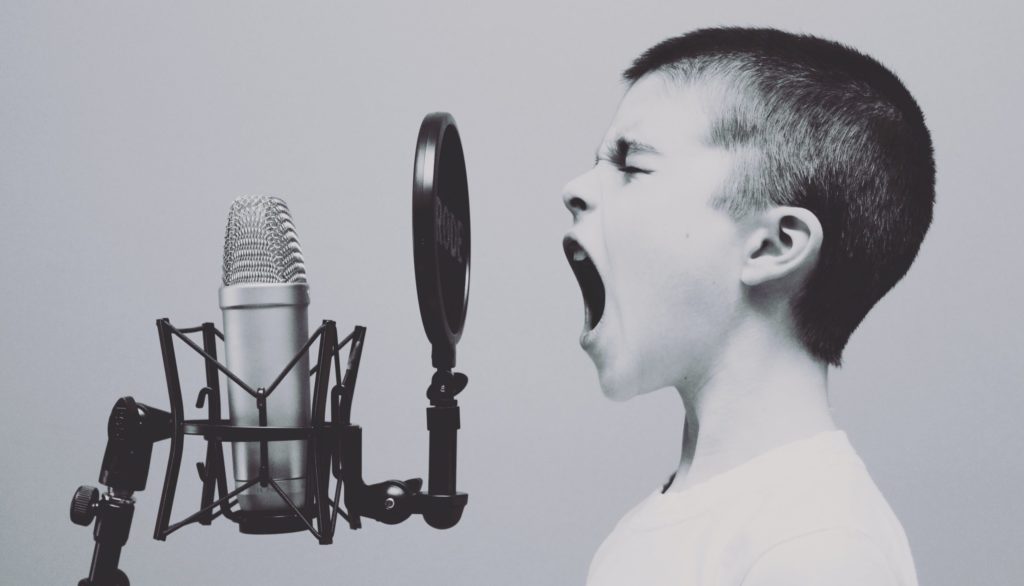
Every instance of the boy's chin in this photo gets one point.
(621, 386)
(617, 394)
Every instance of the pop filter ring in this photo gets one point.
(441, 235)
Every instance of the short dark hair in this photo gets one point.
(818, 125)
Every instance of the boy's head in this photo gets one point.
(747, 173)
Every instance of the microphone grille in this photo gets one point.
(260, 244)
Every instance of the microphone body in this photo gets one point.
(265, 325)
(265, 300)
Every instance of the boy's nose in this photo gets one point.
(577, 195)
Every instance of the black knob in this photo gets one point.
(83, 505)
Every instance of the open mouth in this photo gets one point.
(588, 278)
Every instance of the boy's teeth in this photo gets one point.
(579, 255)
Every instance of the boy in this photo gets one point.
(756, 194)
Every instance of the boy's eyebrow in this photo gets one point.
(623, 147)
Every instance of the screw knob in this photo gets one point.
(83, 505)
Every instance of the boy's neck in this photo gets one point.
(765, 391)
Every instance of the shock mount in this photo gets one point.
(335, 449)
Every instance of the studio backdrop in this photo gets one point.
(127, 129)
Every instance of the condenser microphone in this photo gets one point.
(265, 300)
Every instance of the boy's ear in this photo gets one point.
(783, 241)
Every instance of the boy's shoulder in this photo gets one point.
(821, 504)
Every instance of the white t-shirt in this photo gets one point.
(810, 504)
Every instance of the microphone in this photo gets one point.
(265, 300)
(278, 423)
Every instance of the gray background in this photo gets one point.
(127, 128)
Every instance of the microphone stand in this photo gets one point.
(132, 429)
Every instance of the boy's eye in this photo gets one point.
(630, 170)
(622, 167)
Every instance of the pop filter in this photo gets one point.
(441, 238)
